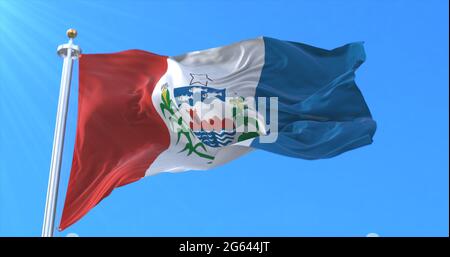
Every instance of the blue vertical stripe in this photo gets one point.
(321, 111)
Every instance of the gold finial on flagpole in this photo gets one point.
(71, 33)
(74, 49)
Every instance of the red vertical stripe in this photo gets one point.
(119, 132)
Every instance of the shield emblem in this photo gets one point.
(193, 97)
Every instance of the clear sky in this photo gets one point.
(398, 186)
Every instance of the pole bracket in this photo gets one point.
(64, 48)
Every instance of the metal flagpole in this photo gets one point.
(69, 52)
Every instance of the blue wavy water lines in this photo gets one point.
(214, 138)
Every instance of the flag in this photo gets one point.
(140, 113)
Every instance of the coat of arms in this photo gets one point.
(197, 110)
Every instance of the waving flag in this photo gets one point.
(140, 114)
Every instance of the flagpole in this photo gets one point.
(69, 52)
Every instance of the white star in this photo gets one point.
(201, 79)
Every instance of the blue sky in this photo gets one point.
(398, 186)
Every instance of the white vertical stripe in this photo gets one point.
(235, 68)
